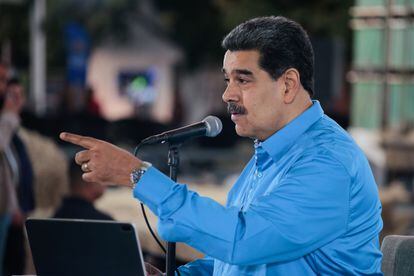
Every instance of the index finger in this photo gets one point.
(83, 141)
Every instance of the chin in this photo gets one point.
(242, 132)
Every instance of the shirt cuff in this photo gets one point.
(153, 188)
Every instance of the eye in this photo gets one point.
(226, 80)
(242, 80)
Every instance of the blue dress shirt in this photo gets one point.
(305, 204)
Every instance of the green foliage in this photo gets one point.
(14, 28)
(199, 26)
(196, 26)
(327, 17)
(100, 18)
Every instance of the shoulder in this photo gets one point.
(327, 140)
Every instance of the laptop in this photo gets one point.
(84, 247)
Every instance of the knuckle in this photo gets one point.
(85, 177)
(95, 154)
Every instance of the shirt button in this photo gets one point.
(259, 174)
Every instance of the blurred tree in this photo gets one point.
(101, 19)
(200, 26)
(14, 29)
(197, 26)
(319, 17)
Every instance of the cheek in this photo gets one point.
(266, 113)
(260, 108)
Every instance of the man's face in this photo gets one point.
(254, 98)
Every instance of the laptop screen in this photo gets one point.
(84, 247)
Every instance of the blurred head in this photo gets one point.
(15, 97)
(79, 187)
(268, 68)
(15, 86)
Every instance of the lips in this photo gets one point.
(234, 117)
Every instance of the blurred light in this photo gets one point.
(139, 83)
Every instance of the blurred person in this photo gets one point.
(16, 186)
(80, 202)
(305, 204)
(9, 122)
(50, 179)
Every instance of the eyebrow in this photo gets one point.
(239, 71)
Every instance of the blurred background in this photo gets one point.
(122, 70)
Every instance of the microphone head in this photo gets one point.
(214, 126)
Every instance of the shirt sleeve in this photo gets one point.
(9, 122)
(307, 209)
(202, 267)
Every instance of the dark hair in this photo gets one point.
(13, 81)
(282, 44)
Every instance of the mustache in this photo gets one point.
(235, 108)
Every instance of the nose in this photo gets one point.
(231, 94)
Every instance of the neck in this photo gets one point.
(294, 109)
(303, 104)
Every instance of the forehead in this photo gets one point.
(241, 60)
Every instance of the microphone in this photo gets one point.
(210, 126)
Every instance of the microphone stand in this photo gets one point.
(173, 162)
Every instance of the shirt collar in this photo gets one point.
(277, 144)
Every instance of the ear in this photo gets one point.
(292, 84)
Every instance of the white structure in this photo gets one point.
(38, 56)
(144, 50)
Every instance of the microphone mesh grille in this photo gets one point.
(214, 126)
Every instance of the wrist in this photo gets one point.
(137, 173)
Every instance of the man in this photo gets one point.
(8, 201)
(17, 177)
(305, 204)
(16, 195)
(79, 204)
